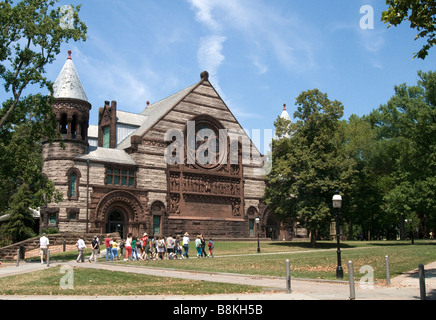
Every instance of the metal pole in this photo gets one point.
(64, 245)
(351, 280)
(339, 270)
(388, 272)
(422, 282)
(258, 244)
(48, 257)
(18, 257)
(288, 277)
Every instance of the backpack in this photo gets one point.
(210, 244)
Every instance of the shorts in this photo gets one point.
(43, 251)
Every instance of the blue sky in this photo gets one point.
(259, 54)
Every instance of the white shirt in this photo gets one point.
(81, 244)
(43, 242)
(185, 240)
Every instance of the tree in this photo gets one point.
(20, 221)
(308, 165)
(422, 17)
(406, 130)
(31, 34)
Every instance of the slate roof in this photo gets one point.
(68, 84)
(108, 155)
(156, 111)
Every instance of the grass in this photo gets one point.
(91, 282)
(307, 261)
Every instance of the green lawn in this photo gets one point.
(307, 261)
(93, 282)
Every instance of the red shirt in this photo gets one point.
(144, 241)
(107, 242)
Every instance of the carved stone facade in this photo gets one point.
(131, 186)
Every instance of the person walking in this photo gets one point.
(128, 246)
(210, 245)
(178, 248)
(170, 245)
(107, 243)
(80, 247)
(114, 250)
(203, 246)
(198, 246)
(134, 249)
(186, 245)
(43, 247)
(95, 249)
(160, 244)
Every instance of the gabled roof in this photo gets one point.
(156, 111)
(68, 84)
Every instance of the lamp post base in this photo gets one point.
(339, 273)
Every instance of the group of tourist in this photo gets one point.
(144, 248)
(155, 247)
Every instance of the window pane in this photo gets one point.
(123, 180)
(109, 179)
(52, 218)
(106, 137)
(251, 225)
(130, 182)
(156, 225)
(116, 180)
(73, 185)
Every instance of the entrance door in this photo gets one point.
(272, 228)
(116, 223)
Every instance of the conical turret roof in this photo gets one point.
(67, 84)
(285, 114)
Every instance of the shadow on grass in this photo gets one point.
(349, 244)
(308, 245)
(405, 243)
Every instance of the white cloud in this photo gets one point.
(210, 54)
(204, 12)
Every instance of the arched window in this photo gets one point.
(73, 183)
(63, 124)
(206, 143)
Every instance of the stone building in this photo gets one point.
(184, 164)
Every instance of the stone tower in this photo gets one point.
(71, 108)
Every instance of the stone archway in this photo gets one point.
(120, 207)
(116, 222)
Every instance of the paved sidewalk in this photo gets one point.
(404, 287)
